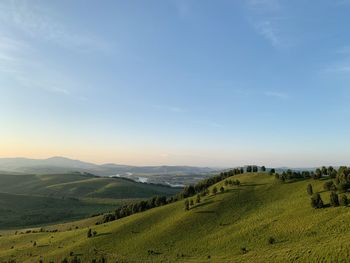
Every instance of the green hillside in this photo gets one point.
(215, 230)
(28, 200)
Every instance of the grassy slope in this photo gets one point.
(27, 200)
(244, 216)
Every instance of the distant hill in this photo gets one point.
(262, 220)
(64, 165)
(28, 199)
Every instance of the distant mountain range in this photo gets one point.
(56, 165)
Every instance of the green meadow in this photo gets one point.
(233, 226)
(33, 200)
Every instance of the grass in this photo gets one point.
(31, 200)
(216, 230)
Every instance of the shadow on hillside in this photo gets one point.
(205, 212)
(203, 204)
(251, 184)
(104, 234)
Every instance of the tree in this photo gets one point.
(249, 169)
(89, 233)
(272, 171)
(263, 168)
(198, 199)
(215, 190)
(334, 200)
(328, 186)
(318, 173)
(187, 205)
(343, 200)
(309, 189)
(255, 169)
(271, 240)
(316, 201)
(222, 189)
(191, 202)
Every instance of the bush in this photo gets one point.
(328, 186)
(334, 200)
(271, 240)
(343, 200)
(309, 189)
(89, 233)
(316, 201)
(222, 189)
(215, 190)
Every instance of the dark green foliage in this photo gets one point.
(191, 202)
(343, 200)
(215, 190)
(222, 189)
(94, 233)
(249, 169)
(89, 233)
(187, 205)
(272, 171)
(328, 186)
(263, 168)
(34, 244)
(198, 199)
(334, 200)
(64, 260)
(271, 240)
(75, 260)
(108, 218)
(309, 189)
(316, 201)
(255, 169)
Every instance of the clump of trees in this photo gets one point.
(316, 201)
(334, 199)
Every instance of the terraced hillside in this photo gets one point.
(233, 226)
(27, 200)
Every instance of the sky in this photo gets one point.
(178, 82)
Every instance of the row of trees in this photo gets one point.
(334, 199)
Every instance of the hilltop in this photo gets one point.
(233, 226)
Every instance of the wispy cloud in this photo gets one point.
(266, 17)
(278, 95)
(38, 23)
(265, 28)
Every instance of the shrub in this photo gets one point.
(343, 200)
(198, 199)
(89, 233)
(334, 200)
(328, 186)
(222, 189)
(271, 240)
(316, 201)
(309, 189)
(187, 205)
(215, 190)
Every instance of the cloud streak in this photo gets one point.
(36, 23)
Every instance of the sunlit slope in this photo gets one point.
(244, 216)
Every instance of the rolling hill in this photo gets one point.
(27, 199)
(233, 226)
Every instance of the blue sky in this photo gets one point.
(196, 82)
